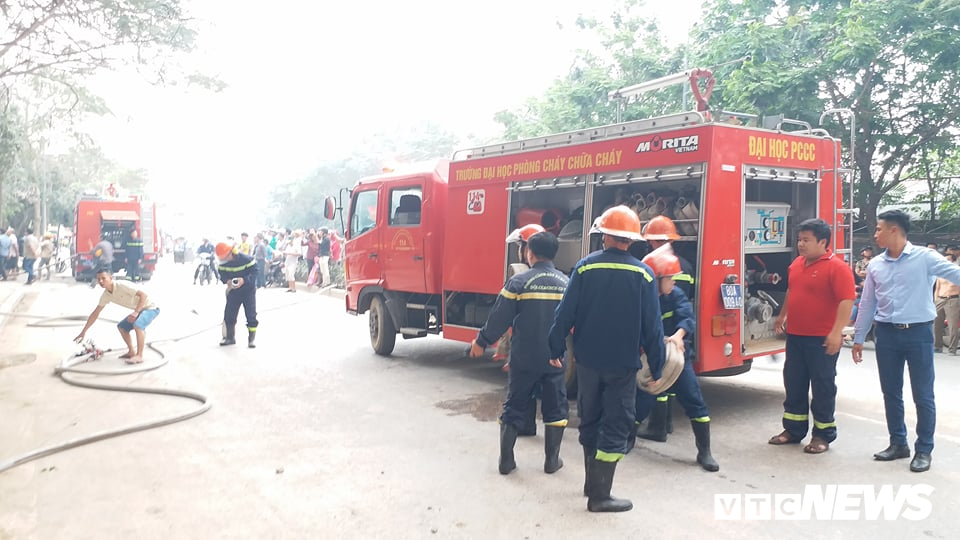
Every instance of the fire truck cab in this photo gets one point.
(425, 251)
(112, 218)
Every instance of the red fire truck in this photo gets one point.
(112, 218)
(425, 251)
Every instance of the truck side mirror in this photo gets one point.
(329, 207)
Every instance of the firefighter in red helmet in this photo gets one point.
(611, 304)
(239, 273)
(679, 325)
(660, 231)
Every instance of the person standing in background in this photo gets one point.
(325, 256)
(946, 298)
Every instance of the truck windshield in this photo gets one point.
(363, 215)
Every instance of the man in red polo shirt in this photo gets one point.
(820, 294)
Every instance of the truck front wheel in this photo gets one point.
(383, 336)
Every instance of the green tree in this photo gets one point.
(892, 63)
(300, 204)
(629, 49)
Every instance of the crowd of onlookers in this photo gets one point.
(312, 256)
(946, 297)
(36, 253)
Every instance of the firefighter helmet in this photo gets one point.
(660, 228)
(522, 234)
(618, 221)
(663, 261)
(672, 367)
(223, 249)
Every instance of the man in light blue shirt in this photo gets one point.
(5, 244)
(896, 294)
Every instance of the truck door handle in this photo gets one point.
(417, 258)
(373, 255)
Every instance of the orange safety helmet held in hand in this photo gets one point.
(660, 228)
(663, 261)
(223, 249)
(618, 221)
(524, 233)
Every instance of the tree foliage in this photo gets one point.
(300, 204)
(893, 63)
(47, 50)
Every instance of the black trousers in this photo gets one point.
(245, 296)
(606, 403)
(554, 405)
(807, 370)
(133, 269)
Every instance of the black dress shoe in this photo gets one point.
(921, 462)
(892, 452)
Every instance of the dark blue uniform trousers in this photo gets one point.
(522, 385)
(913, 346)
(687, 390)
(808, 368)
(245, 296)
(605, 402)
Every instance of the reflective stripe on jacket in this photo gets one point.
(527, 304)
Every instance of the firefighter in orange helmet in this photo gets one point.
(520, 236)
(612, 306)
(659, 231)
(239, 273)
(679, 325)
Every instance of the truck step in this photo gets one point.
(411, 331)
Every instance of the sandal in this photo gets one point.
(783, 438)
(816, 446)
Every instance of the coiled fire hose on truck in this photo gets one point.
(69, 367)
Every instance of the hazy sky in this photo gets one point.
(307, 79)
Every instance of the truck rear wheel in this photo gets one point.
(383, 336)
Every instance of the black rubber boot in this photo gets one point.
(601, 481)
(251, 336)
(656, 428)
(508, 437)
(670, 400)
(530, 420)
(552, 438)
(229, 336)
(701, 430)
(589, 456)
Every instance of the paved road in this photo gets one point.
(313, 436)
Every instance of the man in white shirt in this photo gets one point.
(128, 296)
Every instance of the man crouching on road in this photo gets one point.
(128, 296)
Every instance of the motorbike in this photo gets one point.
(204, 271)
(275, 275)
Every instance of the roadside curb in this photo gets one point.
(330, 290)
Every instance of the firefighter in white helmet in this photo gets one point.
(520, 236)
(527, 303)
(679, 325)
(612, 306)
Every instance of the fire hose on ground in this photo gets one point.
(69, 367)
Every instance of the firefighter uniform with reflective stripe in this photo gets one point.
(677, 313)
(134, 253)
(527, 303)
(611, 305)
(685, 279)
(245, 267)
